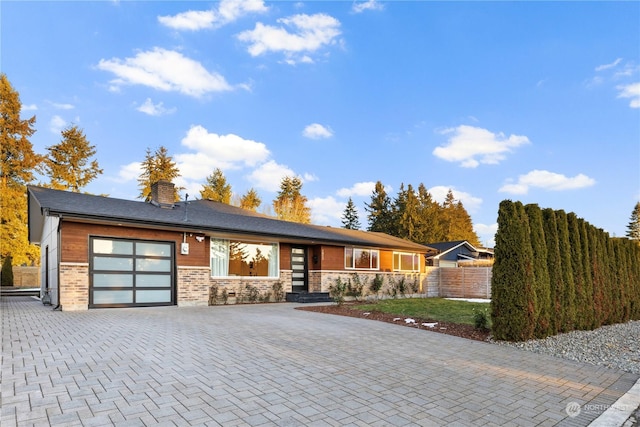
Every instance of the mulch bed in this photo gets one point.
(347, 309)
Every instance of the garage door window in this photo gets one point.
(131, 273)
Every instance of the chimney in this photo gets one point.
(162, 194)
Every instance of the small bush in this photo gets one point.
(213, 294)
(278, 292)
(7, 272)
(398, 288)
(377, 284)
(356, 289)
(252, 293)
(338, 291)
(480, 319)
(224, 296)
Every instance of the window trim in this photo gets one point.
(353, 258)
(227, 241)
(415, 268)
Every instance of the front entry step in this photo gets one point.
(308, 297)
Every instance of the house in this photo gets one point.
(456, 254)
(105, 252)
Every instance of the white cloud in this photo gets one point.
(129, 172)
(326, 211)
(310, 33)
(546, 180)
(164, 70)
(29, 107)
(486, 233)
(358, 189)
(268, 176)
(228, 11)
(57, 124)
(308, 177)
(630, 91)
(471, 146)
(317, 131)
(607, 66)
(470, 202)
(154, 109)
(59, 106)
(361, 6)
(218, 151)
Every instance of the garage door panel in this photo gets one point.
(112, 297)
(154, 296)
(153, 280)
(112, 263)
(102, 280)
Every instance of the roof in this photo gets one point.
(202, 216)
(444, 247)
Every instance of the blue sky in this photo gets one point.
(530, 101)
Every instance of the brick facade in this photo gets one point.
(74, 286)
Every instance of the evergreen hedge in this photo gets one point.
(554, 272)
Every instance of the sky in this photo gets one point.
(537, 102)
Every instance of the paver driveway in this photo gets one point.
(263, 365)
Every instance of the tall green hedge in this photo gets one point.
(554, 272)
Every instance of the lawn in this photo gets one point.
(437, 309)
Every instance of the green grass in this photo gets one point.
(437, 309)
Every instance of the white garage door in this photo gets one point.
(131, 273)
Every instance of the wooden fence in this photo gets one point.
(468, 282)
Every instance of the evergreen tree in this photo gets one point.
(633, 229)
(568, 284)
(18, 162)
(598, 277)
(290, 204)
(582, 301)
(430, 225)
(6, 275)
(216, 188)
(157, 166)
(250, 201)
(350, 218)
(69, 165)
(554, 267)
(407, 212)
(512, 294)
(380, 215)
(542, 287)
(587, 280)
(456, 221)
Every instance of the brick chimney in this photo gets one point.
(162, 194)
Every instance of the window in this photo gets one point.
(243, 259)
(363, 259)
(405, 261)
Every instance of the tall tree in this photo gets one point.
(407, 213)
(456, 221)
(633, 228)
(554, 267)
(157, 166)
(250, 200)
(568, 284)
(290, 204)
(216, 188)
(540, 272)
(350, 218)
(18, 162)
(379, 213)
(69, 165)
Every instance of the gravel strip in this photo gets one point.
(613, 346)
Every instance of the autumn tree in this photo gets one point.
(157, 166)
(456, 221)
(216, 189)
(250, 200)
(69, 165)
(290, 204)
(633, 228)
(18, 162)
(350, 218)
(379, 213)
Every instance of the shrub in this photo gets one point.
(224, 296)
(7, 272)
(278, 292)
(480, 319)
(252, 293)
(377, 284)
(397, 288)
(337, 291)
(213, 294)
(356, 289)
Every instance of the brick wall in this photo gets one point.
(26, 277)
(193, 286)
(427, 282)
(74, 286)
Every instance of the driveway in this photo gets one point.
(272, 365)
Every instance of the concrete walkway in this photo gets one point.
(272, 365)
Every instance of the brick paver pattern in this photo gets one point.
(272, 365)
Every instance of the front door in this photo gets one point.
(299, 269)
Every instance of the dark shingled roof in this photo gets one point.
(199, 215)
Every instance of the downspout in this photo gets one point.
(58, 261)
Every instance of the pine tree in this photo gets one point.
(216, 188)
(541, 273)
(17, 165)
(554, 267)
(430, 224)
(290, 204)
(568, 284)
(587, 279)
(407, 212)
(379, 214)
(512, 294)
(250, 201)
(633, 229)
(350, 218)
(6, 275)
(68, 164)
(156, 167)
(582, 303)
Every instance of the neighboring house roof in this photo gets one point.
(442, 248)
(203, 216)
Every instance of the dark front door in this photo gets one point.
(299, 269)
